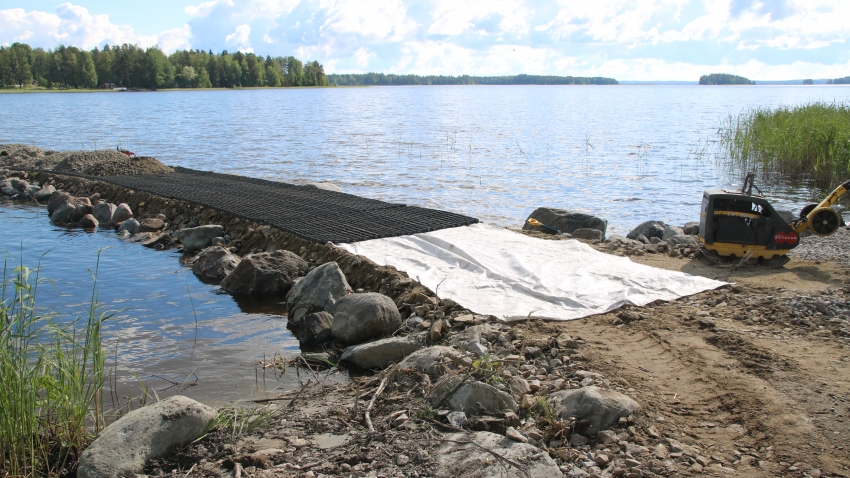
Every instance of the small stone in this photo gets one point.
(512, 419)
(602, 459)
(457, 419)
(528, 401)
(534, 385)
(402, 460)
(401, 419)
(577, 440)
(514, 435)
(653, 432)
(607, 436)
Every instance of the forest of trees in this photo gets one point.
(839, 81)
(724, 79)
(384, 79)
(130, 66)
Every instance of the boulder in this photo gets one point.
(325, 186)
(588, 234)
(45, 193)
(471, 397)
(213, 264)
(30, 191)
(56, 200)
(601, 407)
(380, 353)
(158, 241)
(71, 210)
(19, 184)
(361, 317)
(434, 361)
(266, 273)
(648, 229)
(9, 191)
(692, 228)
(565, 220)
(456, 459)
(151, 224)
(671, 231)
(197, 238)
(131, 226)
(103, 212)
(674, 241)
(315, 328)
(121, 214)
(148, 433)
(317, 291)
(88, 222)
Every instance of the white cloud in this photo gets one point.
(240, 38)
(204, 9)
(73, 25)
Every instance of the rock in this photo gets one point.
(692, 228)
(675, 241)
(325, 186)
(158, 241)
(317, 291)
(145, 434)
(103, 212)
(122, 213)
(588, 234)
(151, 224)
(518, 387)
(436, 331)
(565, 220)
(131, 226)
(197, 238)
(71, 211)
(56, 200)
(578, 440)
(9, 191)
(19, 184)
(360, 317)
(88, 222)
(433, 361)
(213, 264)
(456, 419)
(607, 436)
(513, 434)
(471, 397)
(219, 241)
(380, 353)
(648, 229)
(470, 461)
(671, 231)
(30, 191)
(601, 407)
(315, 328)
(266, 273)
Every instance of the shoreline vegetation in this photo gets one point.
(724, 79)
(132, 67)
(808, 143)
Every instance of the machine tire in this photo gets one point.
(807, 209)
(824, 221)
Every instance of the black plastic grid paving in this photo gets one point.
(314, 214)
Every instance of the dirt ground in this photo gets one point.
(738, 387)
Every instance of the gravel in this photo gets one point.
(831, 248)
(92, 163)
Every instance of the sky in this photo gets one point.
(630, 40)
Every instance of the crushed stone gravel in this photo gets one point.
(830, 248)
(92, 163)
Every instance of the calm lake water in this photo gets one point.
(624, 153)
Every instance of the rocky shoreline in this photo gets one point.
(440, 390)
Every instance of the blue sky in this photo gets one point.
(624, 39)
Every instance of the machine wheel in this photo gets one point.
(824, 221)
(807, 209)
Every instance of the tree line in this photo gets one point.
(369, 79)
(131, 66)
(839, 81)
(724, 79)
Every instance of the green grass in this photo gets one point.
(52, 376)
(808, 143)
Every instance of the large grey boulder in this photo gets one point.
(9, 190)
(19, 184)
(588, 234)
(197, 238)
(266, 273)
(601, 407)
(434, 361)
(121, 214)
(671, 231)
(361, 317)
(88, 222)
(145, 434)
(71, 211)
(215, 263)
(315, 328)
(456, 459)
(130, 225)
(56, 200)
(151, 224)
(471, 397)
(44, 193)
(648, 229)
(380, 353)
(325, 186)
(317, 291)
(674, 241)
(692, 228)
(103, 212)
(565, 220)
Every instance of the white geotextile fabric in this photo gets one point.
(495, 271)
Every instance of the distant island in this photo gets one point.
(724, 79)
(381, 79)
(839, 81)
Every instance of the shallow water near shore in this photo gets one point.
(156, 300)
(625, 153)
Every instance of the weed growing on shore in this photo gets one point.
(52, 375)
(808, 143)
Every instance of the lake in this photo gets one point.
(624, 153)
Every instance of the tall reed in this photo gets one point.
(808, 143)
(51, 380)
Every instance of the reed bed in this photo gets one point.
(52, 376)
(807, 144)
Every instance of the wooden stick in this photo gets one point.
(381, 387)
